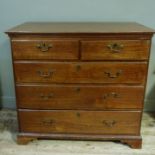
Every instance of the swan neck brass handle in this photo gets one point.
(44, 47)
(45, 74)
(115, 47)
(113, 75)
(109, 123)
(47, 121)
(46, 97)
(112, 94)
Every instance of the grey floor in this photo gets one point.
(8, 146)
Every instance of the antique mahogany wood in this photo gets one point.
(80, 80)
(132, 141)
(81, 72)
(76, 122)
(36, 49)
(79, 96)
(84, 28)
(102, 50)
(90, 49)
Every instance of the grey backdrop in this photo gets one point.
(14, 12)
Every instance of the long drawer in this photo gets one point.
(36, 49)
(79, 97)
(81, 72)
(84, 122)
(115, 49)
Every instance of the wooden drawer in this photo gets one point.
(84, 122)
(79, 97)
(45, 49)
(86, 72)
(115, 49)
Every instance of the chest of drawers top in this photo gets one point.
(76, 27)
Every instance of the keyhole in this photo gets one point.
(78, 114)
(78, 67)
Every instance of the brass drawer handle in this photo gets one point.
(109, 123)
(47, 121)
(113, 75)
(112, 94)
(45, 74)
(46, 97)
(44, 47)
(115, 47)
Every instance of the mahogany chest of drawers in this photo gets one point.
(80, 80)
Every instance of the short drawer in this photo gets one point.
(45, 49)
(115, 49)
(86, 122)
(79, 97)
(86, 72)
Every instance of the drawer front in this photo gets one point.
(86, 72)
(45, 49)
(84, 122)
(115, 50)
(79, 97)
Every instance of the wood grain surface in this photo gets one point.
(84, 122)
(87, 72)
(88, 97)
